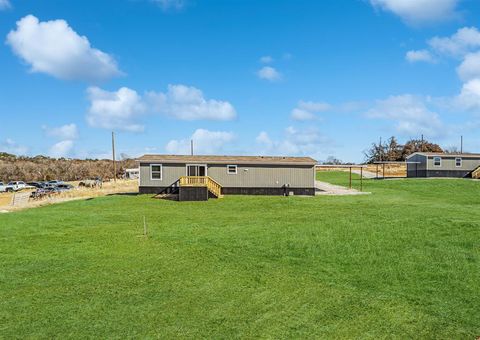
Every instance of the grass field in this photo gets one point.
(403, 262)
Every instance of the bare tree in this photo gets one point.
(41, 168)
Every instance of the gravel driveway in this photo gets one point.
(323, 188)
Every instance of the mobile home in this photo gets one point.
(226, 175)
(429, 164)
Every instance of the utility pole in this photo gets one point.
(461, 144)
(113, 158)
(381, 150)
(191, 147)
(421, 145)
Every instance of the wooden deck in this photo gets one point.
(202, 181)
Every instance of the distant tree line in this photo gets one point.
(42, 168)
(392, 151)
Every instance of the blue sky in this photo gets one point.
(317, 78)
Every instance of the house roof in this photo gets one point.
(443, 154)
(228, 159)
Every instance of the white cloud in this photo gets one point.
(419, 11)
(470, 67)
(188, 103)
(54, 48)
(314, 106)
(463, 41)
(68, 131)
(205, 142)
(10, 146)
(67, 134)
(115, 110)
(266, 59)
(306, 110)
(171, 4)
(302, 115)
(263, 138)
(5, 4)
(469, 98)
(269, 73)
(122, 109)
(61, 149)
(419, 56)
(410, 114)
(305, 142)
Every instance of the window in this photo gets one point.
(196, 170)
(437, 161)
(458, 162)
(156, 171)
(231, 169)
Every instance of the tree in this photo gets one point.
(376, 153)
(392, 151)
(331, 160)
(41, 168)
(451, 149)
(418, 145)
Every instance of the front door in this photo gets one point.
(196, 170)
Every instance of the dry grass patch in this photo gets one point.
(108, 188)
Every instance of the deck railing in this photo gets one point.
(193, 181)
(202, 181)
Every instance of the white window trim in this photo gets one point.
(151, 172)
(232, 173)
(187, 165)
(461, 162)
(439, 165)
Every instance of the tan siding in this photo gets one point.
(448, 163)
(248, 176)
(420, 163)
(170, 174)
(264, 176)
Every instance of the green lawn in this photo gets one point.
(403, 262)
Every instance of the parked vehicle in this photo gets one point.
(64, 187)
(3, 187)
(49, 186)
(35, 184)
(15, 186)
(55, 182)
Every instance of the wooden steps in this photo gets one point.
(476, 173)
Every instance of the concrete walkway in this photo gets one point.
(323, 188)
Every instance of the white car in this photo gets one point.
(15, 186)
(3, 187)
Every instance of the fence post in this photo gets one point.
(361, 178)
(350, 177)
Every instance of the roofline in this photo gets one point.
(443, 154)
(416, 153)
(170, 161)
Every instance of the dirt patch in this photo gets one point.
(5, 198)
(373, 170)
(391, 170)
